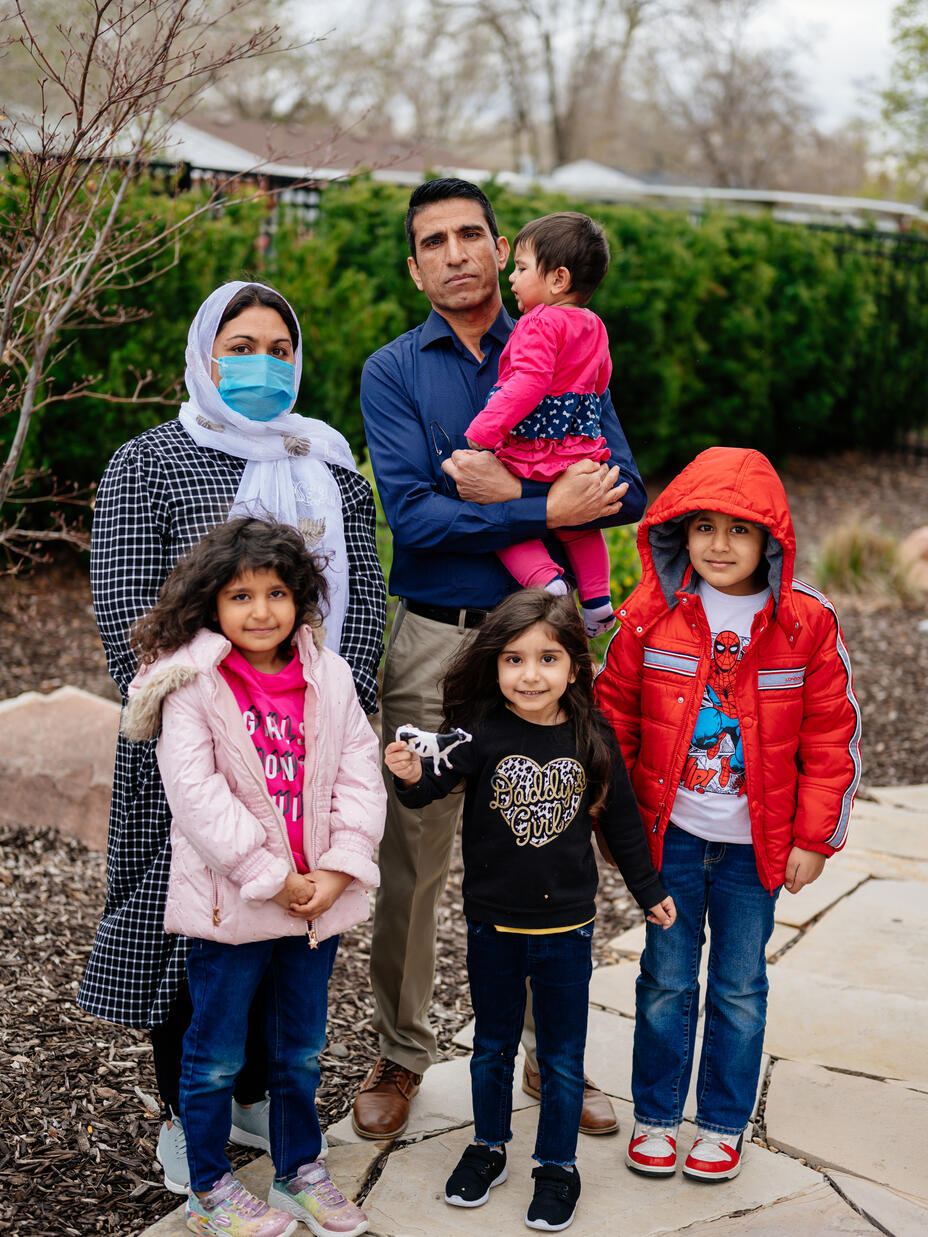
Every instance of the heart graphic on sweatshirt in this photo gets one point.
(537, 802)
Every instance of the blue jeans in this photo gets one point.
(559, 966)
(223, 980)
(716, 881)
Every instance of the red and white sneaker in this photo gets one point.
(714, 1157)
(652, 1150)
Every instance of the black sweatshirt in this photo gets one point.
(528, 854)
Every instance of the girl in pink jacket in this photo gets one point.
(544, 413)
(272, 774)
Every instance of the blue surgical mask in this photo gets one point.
(258, 386)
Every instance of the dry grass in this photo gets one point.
(860, 561)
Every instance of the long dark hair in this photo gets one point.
(471, 685)
(187, 601)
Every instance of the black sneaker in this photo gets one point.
(556, 1192)
(478, 1170)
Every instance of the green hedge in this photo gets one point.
(723, 329)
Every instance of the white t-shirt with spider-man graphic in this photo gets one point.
(711, 800)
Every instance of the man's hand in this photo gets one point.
(584, 493)
(802, 868)
(481, 478)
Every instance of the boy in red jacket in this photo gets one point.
(729, 688)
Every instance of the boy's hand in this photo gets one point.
(327, 887)
(802, 868)
(664, 913)
(298, 889)
(402, 763)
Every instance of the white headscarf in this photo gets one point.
(285, 476)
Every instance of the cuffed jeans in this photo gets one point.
(715, 882)
(223, 979)
(558, 967)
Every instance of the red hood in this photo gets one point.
(736, 481)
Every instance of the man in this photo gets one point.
(450, 509)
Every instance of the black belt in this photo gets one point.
(446, 614)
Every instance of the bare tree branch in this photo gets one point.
(112, 82)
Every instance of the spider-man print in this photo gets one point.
(715, 764)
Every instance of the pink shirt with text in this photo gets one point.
(272, 707)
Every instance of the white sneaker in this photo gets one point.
(250, 1127)
(652, 1150)
(714, 1157)
(171, 1154)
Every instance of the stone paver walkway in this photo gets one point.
(841, 1136)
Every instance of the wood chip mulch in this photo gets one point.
(78, 1121)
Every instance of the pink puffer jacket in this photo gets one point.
(230, 850)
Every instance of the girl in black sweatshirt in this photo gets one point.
(541, 767)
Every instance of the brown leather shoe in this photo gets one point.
(598, 1116)
(381, 1107)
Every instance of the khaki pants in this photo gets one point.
(415, 852)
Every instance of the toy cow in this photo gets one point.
(429, 745)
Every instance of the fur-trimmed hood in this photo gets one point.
(141, 718)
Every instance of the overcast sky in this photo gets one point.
(848, 39)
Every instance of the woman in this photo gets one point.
(235, 447)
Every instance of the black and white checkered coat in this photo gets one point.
(159, 495)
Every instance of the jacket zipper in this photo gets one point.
(687, 725)
(217, 908)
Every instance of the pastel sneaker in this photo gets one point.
(714, 1157)
(229, 1210)
(313, 1197)
(652, 1150)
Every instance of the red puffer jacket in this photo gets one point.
(800, 724)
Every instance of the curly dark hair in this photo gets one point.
(471, 682)
(187, 601)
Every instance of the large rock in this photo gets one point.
(816, 1019)
(408, 1201)
(56, 762)
(856, 1125)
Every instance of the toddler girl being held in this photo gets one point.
(272, 775)
(544, 413)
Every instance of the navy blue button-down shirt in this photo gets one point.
(418, 395)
